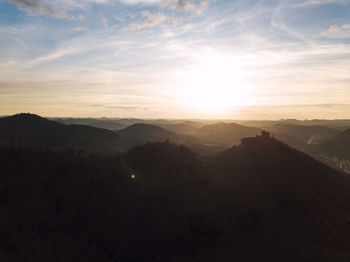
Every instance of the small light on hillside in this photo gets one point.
(133, 176)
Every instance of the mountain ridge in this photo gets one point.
(338, 146)
(35, 129)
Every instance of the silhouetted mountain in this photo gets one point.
(307, 134)
(143, 133)
(146, 130)
(186, 127)
(336, 123)
(257, 123)
(339, 124)
(117, 123)
(35, 129)
(260, 201)
(338, 146)
(139, 134)
(96, 122)
(227, 134)
(289, 140)
(287, 196)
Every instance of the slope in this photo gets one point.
(286, 198)
(260, 201)
(338, 146)
(139, 134)
(35, 129)
(226, 134)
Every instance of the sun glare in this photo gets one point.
(215, 85)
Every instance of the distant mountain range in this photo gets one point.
(307, 134)
(200, 136)
(35, 129)
(185, 127)
(137, 134)
(95, 122)
(340, 124)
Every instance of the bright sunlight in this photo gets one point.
(216, 85)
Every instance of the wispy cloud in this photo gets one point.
(42, 8)
(150, 20)
(104, 20)
(281, 59)
(311, 3)
(61, 8)
(119, 18)
(277, 22)
(196, 6)
(187, 6)
(337, 30)
(334, 28)
(80, 28)
(56, 8)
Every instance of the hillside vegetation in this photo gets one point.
(259, 201)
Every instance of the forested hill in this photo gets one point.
(338, 146)
(226, 133)
(35, 129)
(259, 201)
(30, 128)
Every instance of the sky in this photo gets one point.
(188, 59)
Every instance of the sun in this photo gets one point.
(215, 85)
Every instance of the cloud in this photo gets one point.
(337, 28)
(187, 6)
(195, 6)
(278, 23)
(310, 3)
(119, 18)
(56, 8)
(42, 8)
(334, 28)
(60, 8)
(80, 28)
(151, 20)
(179, 5)
(104, 21)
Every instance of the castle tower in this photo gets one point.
(265, 134)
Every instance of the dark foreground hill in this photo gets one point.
(35, 129)
(338, 146)
(289, 197)
(260, 201)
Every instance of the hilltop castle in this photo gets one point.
(264, 137)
